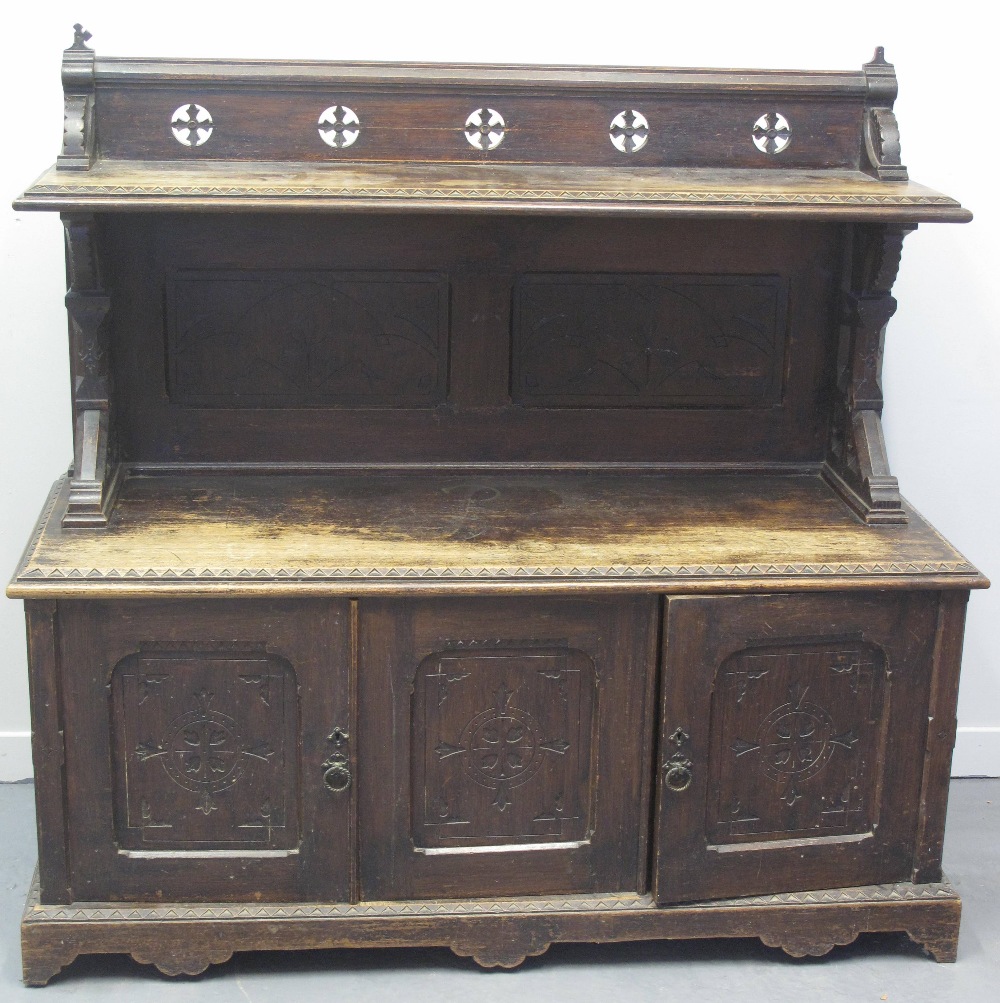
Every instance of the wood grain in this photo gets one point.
(354, 534)
(827, 195)
(495, 932)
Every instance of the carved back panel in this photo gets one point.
(388, 339)
(783, 753)
(649, 340)
(258, 339)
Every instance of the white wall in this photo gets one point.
(943, 357)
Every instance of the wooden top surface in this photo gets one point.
(521, 188)
(350, 534)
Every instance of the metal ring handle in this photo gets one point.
(337, 778)
(678, 777)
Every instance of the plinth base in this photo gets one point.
(186, 938)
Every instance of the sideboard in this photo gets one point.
(480, 531)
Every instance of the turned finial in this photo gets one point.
(80, 38)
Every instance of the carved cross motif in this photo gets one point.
(771, 133)
(502, 745)
(191, 125)
(339, 126)
(485, 129)
(629, 131)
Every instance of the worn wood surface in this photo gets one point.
(505, 745)
(48, 750)
(786, 716)
(196, 741)
(270, 338)
(359, 533)
(494, 932)
(942, 724)
(829, 195)
(520, 483)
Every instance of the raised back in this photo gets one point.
(613, 266)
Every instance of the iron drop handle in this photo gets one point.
(678, 774)
(336, 767)
(678, 768)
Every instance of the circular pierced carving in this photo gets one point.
(485, 129)
(339, 126)
(191, 125)
(771, 133)
(629, 131)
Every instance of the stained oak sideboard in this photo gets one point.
(480, 531)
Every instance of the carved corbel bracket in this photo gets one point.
(95, 470)
(857, 464)
(79, 137)
(881, 131)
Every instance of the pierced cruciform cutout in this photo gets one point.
(339, 126)
(771, 133)
(191, 125)
(629, 131)
(485, 129)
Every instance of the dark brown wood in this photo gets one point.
(95, 451)
(942, 724)
(220, 719)
(495, 933)
(79, 132)
(480, 531)
(502, 750)
(857, 464)
(782, 765)
(48, 750)
(738, 369)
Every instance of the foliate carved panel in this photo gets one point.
(502, 747)
(655, 340)
(795, 744)
(205, 752)
(298, 338)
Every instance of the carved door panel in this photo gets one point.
(792, 740)
(199, 736)
(505, 746)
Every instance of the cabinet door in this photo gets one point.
(792, 742)
(505, 745)
(196, 738)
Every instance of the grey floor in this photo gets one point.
(876, 967)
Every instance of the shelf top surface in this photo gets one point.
(357, 533)
(521, 188)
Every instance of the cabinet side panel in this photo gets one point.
(47, 751)
(941, 730)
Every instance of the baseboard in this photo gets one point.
(15, 756)
(977, 754)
